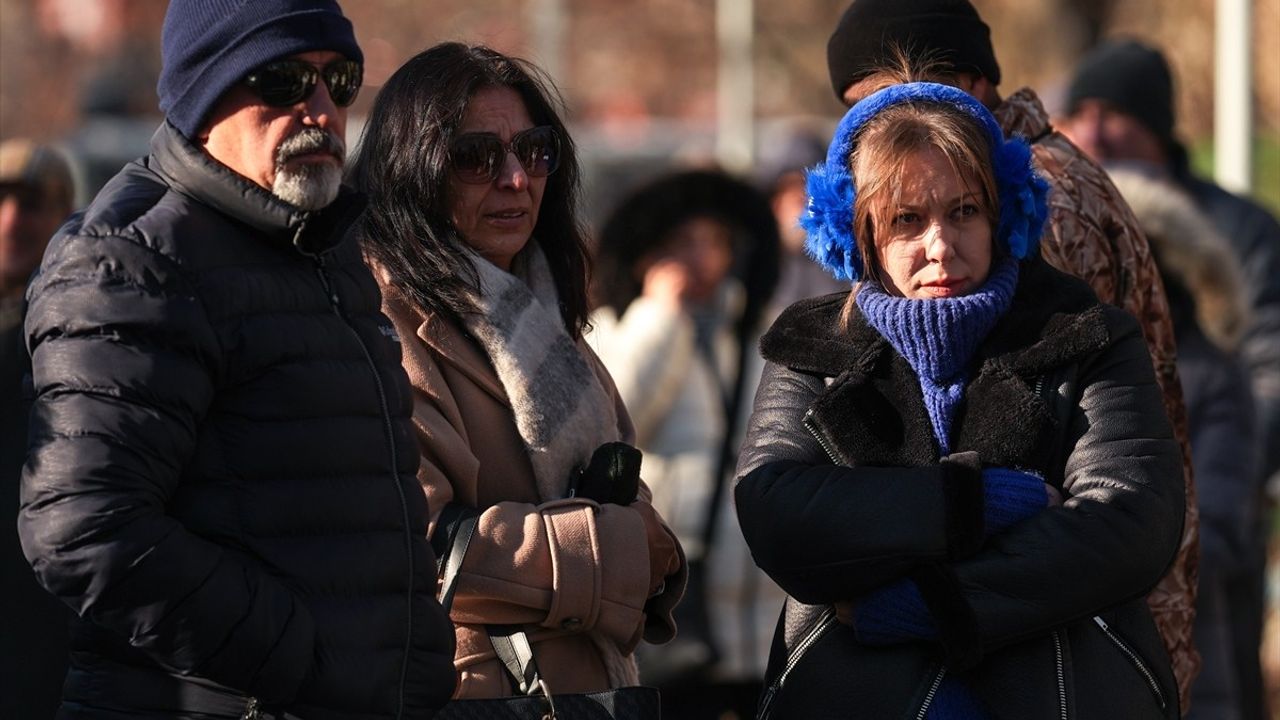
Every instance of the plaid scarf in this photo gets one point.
(562, 411)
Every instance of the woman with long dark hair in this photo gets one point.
(473, 232)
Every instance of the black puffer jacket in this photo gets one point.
(1016, 613)
(221, 473)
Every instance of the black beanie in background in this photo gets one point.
(1132, 77)
(949, 31)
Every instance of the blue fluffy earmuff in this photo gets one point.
(828, 220)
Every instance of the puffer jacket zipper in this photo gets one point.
(251, 711)
(1061, 674)
(1134, 659)
(335, 303)
(826, 621)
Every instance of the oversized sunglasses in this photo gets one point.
(477, 158)
(287, 82)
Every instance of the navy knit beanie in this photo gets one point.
(207, 46)
(1131, 76)
(949, 31)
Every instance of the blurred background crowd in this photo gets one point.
(653, 87)
(641, 78)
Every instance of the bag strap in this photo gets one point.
(510, 642)
(465, 528)
(511, 645)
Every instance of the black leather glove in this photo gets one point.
(612, 476)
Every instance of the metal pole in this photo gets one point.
(735, 85)
(1233, 100)
(548, 22)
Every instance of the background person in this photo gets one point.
(220, 481)
(1120, 108)
(1202, 279)
(780, 174)
(1091, 234)
(685, 265)
(474, 234)
(36, 192)
(960, 469)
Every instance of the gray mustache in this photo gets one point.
(311, 140)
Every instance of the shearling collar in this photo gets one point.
(872, 410)
(193, 173)
(1053, 319)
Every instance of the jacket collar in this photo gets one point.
(1054, 319)
(1023, 115)
(871, 411)
(191, 171)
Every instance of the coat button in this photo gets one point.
(571, 624)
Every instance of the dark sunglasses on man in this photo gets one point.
(287, 82)
(477, 158)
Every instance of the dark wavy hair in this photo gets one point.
(403, 167)
(644, 220)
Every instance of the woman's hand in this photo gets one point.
(667, 283)
(1011, 496)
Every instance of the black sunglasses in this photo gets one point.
(477, 158)
(287, 82)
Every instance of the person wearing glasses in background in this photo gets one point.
(474, 235)
(221, 475)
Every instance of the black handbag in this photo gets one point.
(511, 644)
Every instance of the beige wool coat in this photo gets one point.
(568, 569)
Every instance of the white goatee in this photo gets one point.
(309, 186)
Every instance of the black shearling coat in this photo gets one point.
(841, 491)
(221, 473)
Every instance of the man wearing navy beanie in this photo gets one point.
(221, 472)
(1091, 233)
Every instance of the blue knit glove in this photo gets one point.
(1010, 496)
(893, 614)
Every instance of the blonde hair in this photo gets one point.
(881, 153)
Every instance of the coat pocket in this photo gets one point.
(1118, 666)
(1144, 669)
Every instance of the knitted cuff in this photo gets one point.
(962, 488)
(1010, 496)
(893, 614)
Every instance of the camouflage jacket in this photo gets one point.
(1093, 235)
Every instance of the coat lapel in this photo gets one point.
(461, 352)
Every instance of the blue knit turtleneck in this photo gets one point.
(938, 337)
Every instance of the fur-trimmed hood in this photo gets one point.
(1189, 252)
